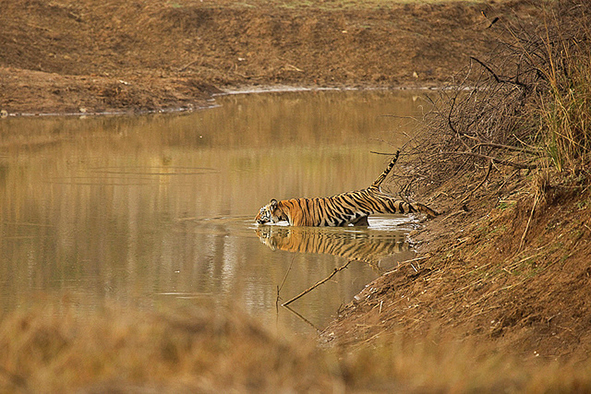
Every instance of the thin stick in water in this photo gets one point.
(303, 293)
(283, 281)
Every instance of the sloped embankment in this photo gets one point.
(95, 56)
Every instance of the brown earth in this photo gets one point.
(96, 56)
(508, 266)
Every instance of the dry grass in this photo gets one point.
(61, 349)
(52, 348)
(565, 109)
(433, 365)
(525, 107)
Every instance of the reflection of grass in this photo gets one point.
(57, 349)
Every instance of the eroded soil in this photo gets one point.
(509, 268)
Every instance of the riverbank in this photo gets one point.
(94, 56)
(505, 267)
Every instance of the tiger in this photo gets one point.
(345, 209)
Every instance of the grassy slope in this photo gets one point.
(505, 270)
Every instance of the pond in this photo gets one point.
(154, 210)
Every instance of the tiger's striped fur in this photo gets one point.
(350, 208)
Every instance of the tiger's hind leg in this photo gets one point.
(362, 221)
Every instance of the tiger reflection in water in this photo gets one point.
(368, 247)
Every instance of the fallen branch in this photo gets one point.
(490, 164)
(303, 293)
(495, 160)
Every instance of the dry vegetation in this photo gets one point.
(526, 102)
(148, 55)
(507, 264)
(62, 349)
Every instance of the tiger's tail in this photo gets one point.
(378, 182)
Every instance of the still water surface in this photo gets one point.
(156, 210)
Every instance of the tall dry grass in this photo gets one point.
(56, 348)
(525, 107)
(565, 107)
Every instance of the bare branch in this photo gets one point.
(495, 160)
(507, 147)
(303, 293)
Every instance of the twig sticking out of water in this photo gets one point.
(283, 281)
(303, 293)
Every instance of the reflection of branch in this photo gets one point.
(303, 293)
(303, 318)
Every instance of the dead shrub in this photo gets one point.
(526, 107)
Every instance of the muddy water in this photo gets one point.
(157, 210)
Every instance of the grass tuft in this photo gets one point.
(566, 108)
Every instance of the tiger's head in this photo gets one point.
(270, 213)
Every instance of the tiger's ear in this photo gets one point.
(273, 203)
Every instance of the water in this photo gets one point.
(156, 210)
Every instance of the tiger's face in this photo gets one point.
(268, 213)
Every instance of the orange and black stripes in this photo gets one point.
(351, 208)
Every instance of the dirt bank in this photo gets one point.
(507, 263)
(96, 56)
(509, 268)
